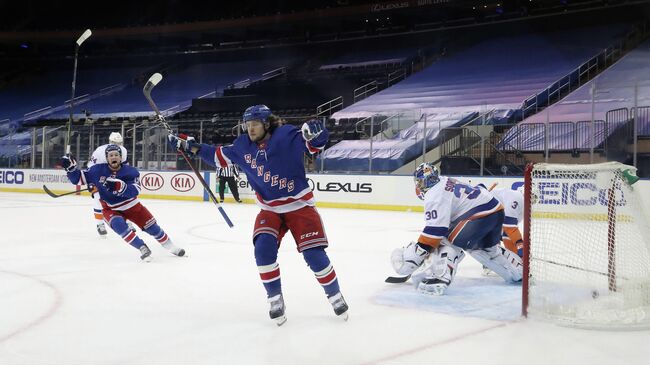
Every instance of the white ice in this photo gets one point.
(69, 297)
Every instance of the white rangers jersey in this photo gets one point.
(450, 202)
(513, 205)
(99, 155)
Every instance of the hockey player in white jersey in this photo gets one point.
(458, 217)
(99, 156)
(513, 204)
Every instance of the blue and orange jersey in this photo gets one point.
(449, 202)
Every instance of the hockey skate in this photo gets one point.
(145, 253)
(339, 305)
(101, 229)
(277, 309)
(174, 249)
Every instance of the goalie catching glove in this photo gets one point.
(406, 259)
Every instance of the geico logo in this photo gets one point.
(583, 194)
(182, 182)
(152, 181)
(12, 177)
(307, 235)
(345, 187)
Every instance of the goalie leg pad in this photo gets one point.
(506, 264)
(406, 259)
(440, 270)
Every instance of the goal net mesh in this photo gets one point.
(589, 252)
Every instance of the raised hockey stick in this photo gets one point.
(87, 33)
(54, 195)
(151, 83)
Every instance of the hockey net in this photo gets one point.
(587, 255)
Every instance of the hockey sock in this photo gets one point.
(158, 234)
(320, 264)
(266, 256)
(98, 216)
(118, 224)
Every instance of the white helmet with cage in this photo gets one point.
(115, 138)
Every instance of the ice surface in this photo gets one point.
(70, 297)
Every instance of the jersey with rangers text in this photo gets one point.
(274, 168)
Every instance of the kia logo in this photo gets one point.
(182, 182)
(152, 181)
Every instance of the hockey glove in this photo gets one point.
(315, 132)
(183, 142)
(115, 186)
(406, 259)
(69, 163)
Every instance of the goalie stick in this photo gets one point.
(403, 279)
(397, 279)
(54, 195)
(151, 83)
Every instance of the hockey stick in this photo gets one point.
(397, 279)
(54, 195)
(151, 83)
(78, 43)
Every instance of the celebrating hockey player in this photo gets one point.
(271, 156)
(457, 217)
(118, 186)
(99, 156)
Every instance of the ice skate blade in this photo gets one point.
(279, 321)
(146, 259)
(344, 316)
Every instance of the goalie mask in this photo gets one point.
(426, 176)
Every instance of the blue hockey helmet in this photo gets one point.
(113, 147)
(426, 176)
(258, 112)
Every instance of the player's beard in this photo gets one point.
(114, 165)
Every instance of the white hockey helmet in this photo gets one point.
(115, 138)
